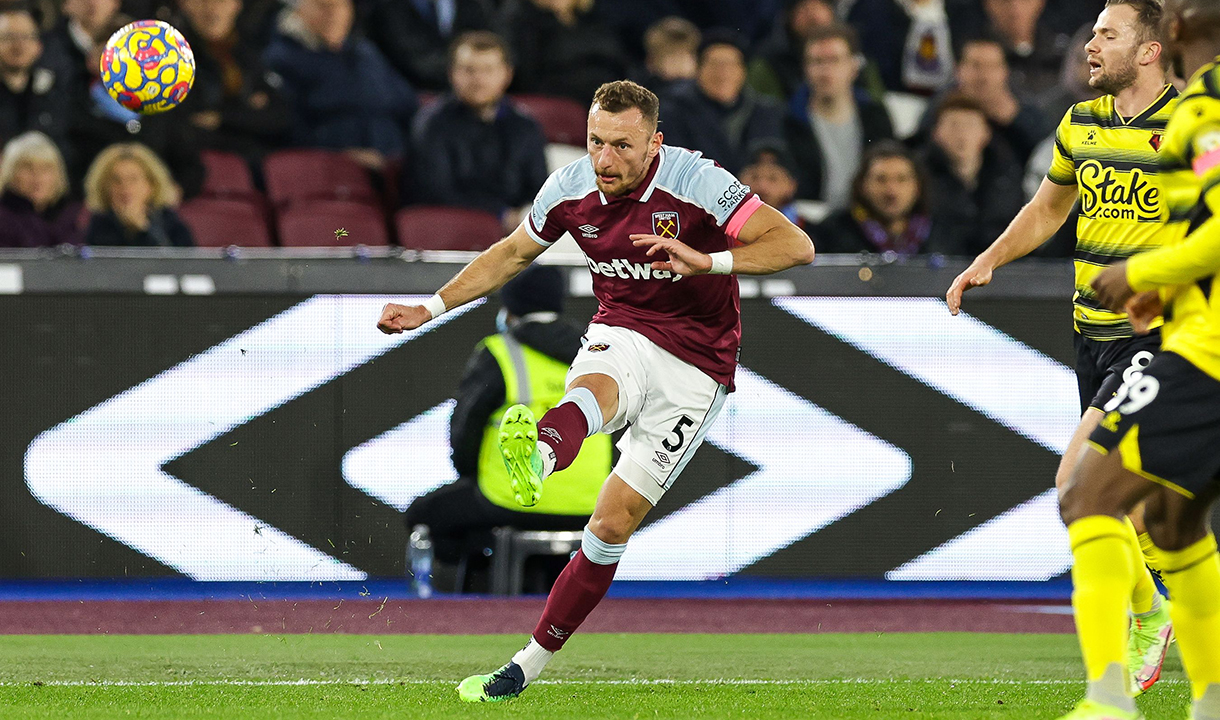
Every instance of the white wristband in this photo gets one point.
(722, 263)
(435, 305)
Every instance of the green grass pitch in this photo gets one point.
(943, 675)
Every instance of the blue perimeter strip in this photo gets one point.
(375, 589)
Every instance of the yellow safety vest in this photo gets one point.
(537, 381)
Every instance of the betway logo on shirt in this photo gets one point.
(629, 270)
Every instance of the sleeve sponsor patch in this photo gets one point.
(1207, 152)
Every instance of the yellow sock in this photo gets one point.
(1193, 578)
(1102, 578)
(1151, 553)
(1144, 594)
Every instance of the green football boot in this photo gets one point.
(519, 448)
(504, 684)
(1146, 648)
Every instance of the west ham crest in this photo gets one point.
(665, 224)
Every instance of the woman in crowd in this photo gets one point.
(34, 208)
(131, 196)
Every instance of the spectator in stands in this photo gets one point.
(772, 175)
(829, 123)
(34, 91)
(778, 68)
(974, 183)
(235, 103)
(344, 94)
(131, 196)
(910, 40)
(34, 207)
(85, 23)
(415, 35)
(671, 53)
(99, 121)
(982, 74)
(474, 148)
(718, 115)
(889, 208)
(562, 48)
(1073, 84)
(1034, 51)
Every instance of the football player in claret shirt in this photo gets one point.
(1159, 440)
(664, 231)
(1106, 157)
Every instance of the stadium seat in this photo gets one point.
(447, 228)
(226, 175)
(563, 120)
(220, 222)
(295, 175)
(314, 224)
(513, 547)
(558, 155)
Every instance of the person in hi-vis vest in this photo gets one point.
(525, 362)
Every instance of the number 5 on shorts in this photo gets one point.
(683, 421)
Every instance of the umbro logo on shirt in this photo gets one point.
(589, 231)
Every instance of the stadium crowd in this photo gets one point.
(900, 126)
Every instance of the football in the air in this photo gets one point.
(148, 66)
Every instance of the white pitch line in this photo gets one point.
(659, 681)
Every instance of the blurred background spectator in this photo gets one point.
(1034, 51)
(562, 48)
(771, 174)
(473, 147)
(235, 104)
(131, 197)
(85, 23)
(35, 88)
(911, 41)
(982, 75)
(671, 54)
(889, 208)
(343, 93)
(718, 114)
(34, 207)
(415, 35)
(830, 123)
(778, 68)
(974, 181)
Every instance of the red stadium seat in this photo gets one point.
(447, 228)
(314, 224)
(226, 176)
(563, 120)
(218, 222)
(294, 175)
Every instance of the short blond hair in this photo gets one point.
(165, 191)
(33, 147)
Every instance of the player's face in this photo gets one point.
(1114, 50)
(479, 77)
(891, 188)
(621, 147)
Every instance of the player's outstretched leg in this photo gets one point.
(533, 449)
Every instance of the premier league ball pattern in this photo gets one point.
(148, 67)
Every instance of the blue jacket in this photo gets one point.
(727, 135)
(352, 98)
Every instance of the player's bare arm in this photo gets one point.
(484, 275)
(1034, 225)
(770, 243)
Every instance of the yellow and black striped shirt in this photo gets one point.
(1186, 269)
(1114, 161)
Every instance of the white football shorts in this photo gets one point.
(668, 403)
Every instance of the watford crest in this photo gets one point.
(665, 224)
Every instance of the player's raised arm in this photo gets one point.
(1034, 225)
(484, 275)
